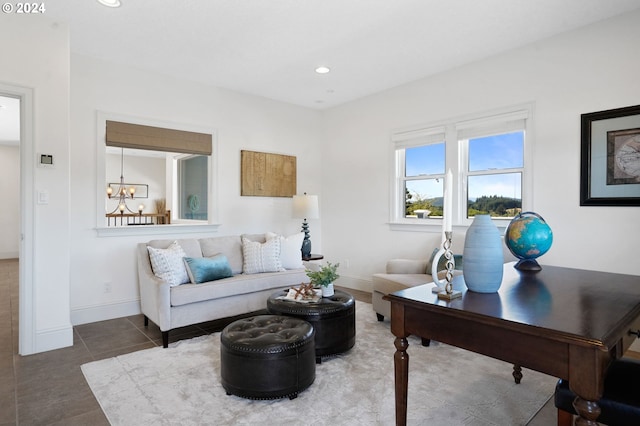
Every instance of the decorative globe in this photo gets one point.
(528, 237)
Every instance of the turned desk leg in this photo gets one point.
(517, 373)
(401, 364)
(588, 412)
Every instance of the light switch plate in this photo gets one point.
(43, 197)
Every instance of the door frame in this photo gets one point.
(26, 294)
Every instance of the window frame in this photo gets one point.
(504, 120)
(190, 226)
(176, 186)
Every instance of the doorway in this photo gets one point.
(16, 137)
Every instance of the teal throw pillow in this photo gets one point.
(204, 269)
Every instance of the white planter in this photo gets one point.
(327, 291)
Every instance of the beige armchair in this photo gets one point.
(404, 273)
(401, 274)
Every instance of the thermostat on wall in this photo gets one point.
(45, 160)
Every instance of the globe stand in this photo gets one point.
(528, 265)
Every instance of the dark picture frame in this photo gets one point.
(610, 157)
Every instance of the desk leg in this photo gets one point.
(588, 412)
(401, 364)
(517, 373)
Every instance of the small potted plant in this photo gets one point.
(324, 277)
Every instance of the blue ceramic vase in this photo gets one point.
(483, 257)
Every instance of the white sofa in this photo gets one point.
(171, 307)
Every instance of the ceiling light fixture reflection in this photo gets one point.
(322, 70)
(110, 3)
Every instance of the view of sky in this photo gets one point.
(498, 152)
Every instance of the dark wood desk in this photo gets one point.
(567, 323)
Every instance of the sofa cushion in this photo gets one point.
(190, 246)
(261, 257)
(407, 266)
(168, 265)
(233, 286)
(389, 283)
(203, 269)
(230, 246)
(290, 249)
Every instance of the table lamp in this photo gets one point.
(305, 207)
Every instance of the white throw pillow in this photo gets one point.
(168, 264)
(261, 257)
(290, 249)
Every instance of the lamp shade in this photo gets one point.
(305, 207)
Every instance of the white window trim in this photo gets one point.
(193, 226)
(503, 119)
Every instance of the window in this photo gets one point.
(488, 159)
(494, 174)
(173, 167)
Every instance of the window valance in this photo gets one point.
(136, 136)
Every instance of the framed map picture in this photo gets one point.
(610, 157)
(623, 157)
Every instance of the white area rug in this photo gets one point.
(447, 386)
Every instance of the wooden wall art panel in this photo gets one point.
(267, 175)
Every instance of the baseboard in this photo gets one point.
(354, 283)
(88, 314)
(53, 338)
(9, 255)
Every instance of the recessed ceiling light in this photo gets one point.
(322, 70)
(110, 3)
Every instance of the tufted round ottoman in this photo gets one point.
(333, 319)
(267, 357)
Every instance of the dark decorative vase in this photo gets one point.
(483, 256)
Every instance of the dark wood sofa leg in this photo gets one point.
(146, 321)
(425, 342)
(165, 339)
(380, 317)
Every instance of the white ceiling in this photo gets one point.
(270, 48)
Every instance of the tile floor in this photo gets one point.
(49, 388)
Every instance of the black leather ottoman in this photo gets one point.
(333, 319)
(267, 357)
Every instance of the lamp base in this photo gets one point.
(306, 242)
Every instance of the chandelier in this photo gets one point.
(123, 193)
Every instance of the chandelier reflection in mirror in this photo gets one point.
(122, 193)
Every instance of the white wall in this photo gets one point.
(593, 69)
(35, 55)
(343, 156)
(240, 121)
(10, 211)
